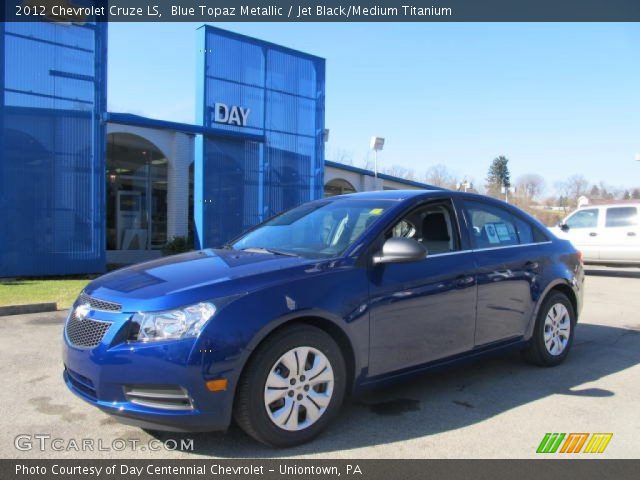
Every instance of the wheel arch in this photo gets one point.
(568, 292)
(560, 285)
(320, 320)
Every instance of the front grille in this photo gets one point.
(167, 397)
(85, 332)
(97, 304)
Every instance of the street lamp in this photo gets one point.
(376, 145)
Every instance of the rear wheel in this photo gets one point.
(553, 333)
(292, 387)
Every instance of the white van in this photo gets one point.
(607, 234)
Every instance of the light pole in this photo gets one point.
(506, 191)
(376, 145)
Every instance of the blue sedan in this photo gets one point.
(276, 327)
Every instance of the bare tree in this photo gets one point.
(367, 161)
(577, 186)
(530, 186)
(571, 189)
(343, 156)
(400, 172)
(440, 176)
(367, 164)
(411, 174)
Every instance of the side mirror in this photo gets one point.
(400, 250)
(564, 227)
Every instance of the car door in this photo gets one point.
(620, 237)
(423, 310)
(583, 228)
(509, 259)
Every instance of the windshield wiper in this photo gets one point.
(273, 251)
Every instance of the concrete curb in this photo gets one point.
(28, 308)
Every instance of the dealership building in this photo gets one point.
(81, 187)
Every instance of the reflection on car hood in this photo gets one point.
(192, 277)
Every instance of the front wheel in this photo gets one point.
(292, 387)
(553, 333)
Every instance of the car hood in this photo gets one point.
(196, 276)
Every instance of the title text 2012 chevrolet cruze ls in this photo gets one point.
(276, 327)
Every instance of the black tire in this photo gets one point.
(537, 353)
(249, 409)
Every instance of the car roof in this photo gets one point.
(392, 194)
(401, 195)
(612, 204)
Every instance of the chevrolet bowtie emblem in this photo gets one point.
(82, 311)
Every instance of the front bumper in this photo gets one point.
(100, 375)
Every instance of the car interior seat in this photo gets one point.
(435, 233)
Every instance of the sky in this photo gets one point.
(557, 99)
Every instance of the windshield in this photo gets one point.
(317, 230)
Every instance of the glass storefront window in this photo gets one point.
(136, 193)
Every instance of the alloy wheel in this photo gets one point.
(557, 329)
(298, 389)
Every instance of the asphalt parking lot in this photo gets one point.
(500, 408)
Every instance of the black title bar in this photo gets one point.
(81, 11)
(274, 469)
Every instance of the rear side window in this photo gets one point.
(495, 227)
(583, 219)
(621, 217)
(491, 226)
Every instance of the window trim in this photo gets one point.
(546, 242)
(472, 250)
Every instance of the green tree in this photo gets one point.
(498, 176)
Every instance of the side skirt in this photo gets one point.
(484, 351)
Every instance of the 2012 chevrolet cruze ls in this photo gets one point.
(274, 328)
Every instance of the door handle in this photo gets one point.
(631, 234)
(532, 266)
(593, 234)
(465, 280)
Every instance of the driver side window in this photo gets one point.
(583, 219)
(433, 225)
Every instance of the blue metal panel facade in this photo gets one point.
(240, 182)
(52, 170)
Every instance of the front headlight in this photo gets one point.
(173, 324)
